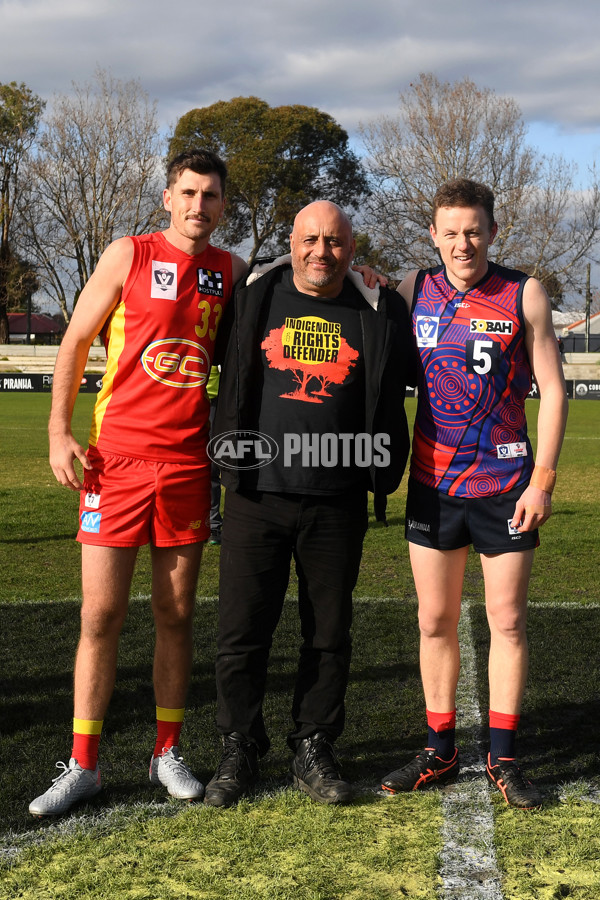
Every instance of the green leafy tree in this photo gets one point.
(20, 112)
(279, 159)
(368, 254)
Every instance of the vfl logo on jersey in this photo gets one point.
(210, 282)
(90, 522)
(511, 451)
(164, 281)
(493, 326)
(427, 331)
(92, 501)
(177, 362)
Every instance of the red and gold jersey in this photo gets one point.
(160, 341)
(470, 437)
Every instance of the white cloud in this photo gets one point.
(351, 59)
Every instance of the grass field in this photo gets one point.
(463, 842)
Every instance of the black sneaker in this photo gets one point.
(425, 769)
(236, 773)
(512, 784)
(316, 771)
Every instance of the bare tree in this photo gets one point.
(97, 175)
(20, 112)
(450, 130)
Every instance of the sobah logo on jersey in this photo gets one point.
(311, 340)
(177, 362)
(210, 282)
(164, 280)
(491, 326)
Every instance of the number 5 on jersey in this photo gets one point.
(483, 356)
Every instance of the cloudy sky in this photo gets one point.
(350, 59)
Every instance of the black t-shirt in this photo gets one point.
(313, 391)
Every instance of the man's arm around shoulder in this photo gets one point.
(96, 301)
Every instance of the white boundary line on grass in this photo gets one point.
(468, 859)
(407, 601)
(122, 814)
(469, 869)
(468, 862)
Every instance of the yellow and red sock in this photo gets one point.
(168, 728)
(86, 737)
(503, 736)
(441, 733)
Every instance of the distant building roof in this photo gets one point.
(564, 319)
(40, 324)
(578, 327)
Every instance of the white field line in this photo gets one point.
(117, 817)
(468, 867)
(399, 601)
(468, 825)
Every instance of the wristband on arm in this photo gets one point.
(543, 478)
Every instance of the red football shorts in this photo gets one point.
(130, 502)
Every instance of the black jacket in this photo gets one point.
(387, 360)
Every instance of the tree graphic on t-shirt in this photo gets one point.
(323, 372)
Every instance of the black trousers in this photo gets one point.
(262, 532)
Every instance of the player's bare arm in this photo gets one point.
(96, 301)
(534, 506)
(239, 267)
(406, 289)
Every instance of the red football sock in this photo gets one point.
(168, 728)
(86, 738)
(503, 734)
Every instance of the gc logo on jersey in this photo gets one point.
(164, 280)
(177, 362)
(210, 282)
(427, 331)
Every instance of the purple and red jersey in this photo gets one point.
(470, 437)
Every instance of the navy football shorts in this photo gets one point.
(442, 522)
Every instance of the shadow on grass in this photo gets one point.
(43, 539)
(559, 731)
(385, 724)
(391, 521)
